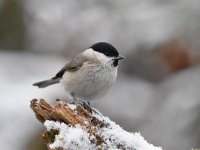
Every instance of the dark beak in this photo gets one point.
(120, 57)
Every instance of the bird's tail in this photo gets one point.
(45, 83)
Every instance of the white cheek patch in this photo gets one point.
(99, 56)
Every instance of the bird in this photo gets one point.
(90, 74)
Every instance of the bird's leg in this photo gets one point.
(85, 104)
(74, 98)
(76, 101)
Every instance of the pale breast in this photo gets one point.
(90, 81)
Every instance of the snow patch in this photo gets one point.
(76, 137)
(69, 137)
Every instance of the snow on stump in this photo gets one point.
(74, 127)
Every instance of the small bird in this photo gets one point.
(90, 74)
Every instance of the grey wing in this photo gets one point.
(72, 66)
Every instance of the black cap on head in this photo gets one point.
(106, 49)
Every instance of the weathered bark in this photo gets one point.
(62, 112)
(102, 133)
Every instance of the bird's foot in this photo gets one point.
(83, 103)
(87, 106)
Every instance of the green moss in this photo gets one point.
(52, 134)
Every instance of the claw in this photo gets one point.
(85, 105)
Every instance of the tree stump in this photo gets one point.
(76, 127)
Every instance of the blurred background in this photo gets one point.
(158, 87)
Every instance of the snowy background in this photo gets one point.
(158, 87)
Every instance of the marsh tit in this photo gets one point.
(90, 74)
